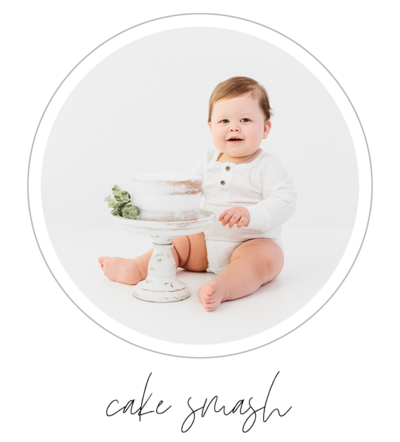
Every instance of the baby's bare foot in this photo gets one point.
(121, 270)
(212, 293)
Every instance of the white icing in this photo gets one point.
(163, 186)
(157, 188)
(172, 203)
(166, 196)
(168, 177)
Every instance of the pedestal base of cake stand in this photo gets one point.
(161, 284)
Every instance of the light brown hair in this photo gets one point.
(235, 87)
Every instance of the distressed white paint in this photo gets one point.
(167, 228)
(161, 284)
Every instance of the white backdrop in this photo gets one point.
(144, 109)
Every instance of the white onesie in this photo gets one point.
(262, 186)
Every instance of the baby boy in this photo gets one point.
(249, 191)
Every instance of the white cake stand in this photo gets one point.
(161, 284)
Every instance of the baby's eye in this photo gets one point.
(244, 120)
(224, 121)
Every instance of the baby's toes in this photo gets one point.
(101, 261)
(105, 265)
(208, 298)
(208, 304)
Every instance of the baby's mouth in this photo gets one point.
(234, 140)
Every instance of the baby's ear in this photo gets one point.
(209, 123)
(267, 128)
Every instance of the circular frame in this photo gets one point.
(222, 22)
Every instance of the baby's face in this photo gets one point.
(238, 126)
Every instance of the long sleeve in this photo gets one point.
(279, 198)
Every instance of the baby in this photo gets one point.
(249, 191)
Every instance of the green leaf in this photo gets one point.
(130, 211)
(122, 196)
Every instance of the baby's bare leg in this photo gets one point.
(132, 271)
(253, 264)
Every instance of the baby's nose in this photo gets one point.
(234, 129)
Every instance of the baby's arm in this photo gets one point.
(276, 207)
(279, 198)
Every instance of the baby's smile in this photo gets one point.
(235, 140)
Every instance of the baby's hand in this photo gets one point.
(236, 215)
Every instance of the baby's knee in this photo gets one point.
(263, 255)
(273, 263)
(194, 253)
(182, 248)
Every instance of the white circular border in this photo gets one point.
(178, 22)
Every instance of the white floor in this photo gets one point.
(310, 258)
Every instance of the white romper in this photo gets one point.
(262, 186)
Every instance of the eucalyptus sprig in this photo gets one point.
(121, 205)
